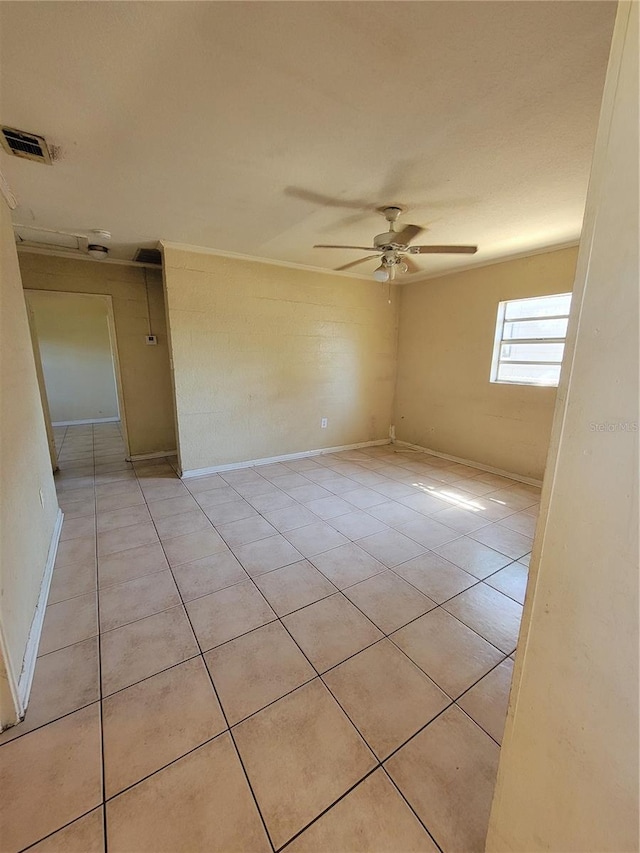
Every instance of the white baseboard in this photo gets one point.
(86, 421)
(269, 460)
(530, 480)
(140, 457)
(31, 652)
(9, 701)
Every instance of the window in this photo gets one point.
(529, 342)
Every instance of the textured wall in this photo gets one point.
(75, 350)
(146, 379)
(26, 519)
(261, 353)
(444, 399)
(568, 773)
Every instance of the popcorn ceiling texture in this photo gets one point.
(264, 128)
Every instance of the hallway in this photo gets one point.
(314, 655)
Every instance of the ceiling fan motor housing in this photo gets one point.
(389, 238)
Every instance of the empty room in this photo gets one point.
(318, 426)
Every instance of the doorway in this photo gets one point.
(75, 345)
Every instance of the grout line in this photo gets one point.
(279, 619)
(147, 677)
(273, 701)
(395, 785)
(354, 508)
(337, 590)
(102, 763)
(320, 676)
(59, 829)
(467, 714)
(379, 762)
(328, 808)
(221, 706)
(364, 741)
(169, 763)
(257, 628)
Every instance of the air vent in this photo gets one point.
(148, 256)
(26, 145)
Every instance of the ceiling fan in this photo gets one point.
(393, 248)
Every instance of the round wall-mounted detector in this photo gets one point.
(96, 251)
(100, 235)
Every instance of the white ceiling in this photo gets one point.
(265, 127)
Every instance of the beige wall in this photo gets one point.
(146, 381)
(568, 774)
(28, 504)
(444, 400)
(261, 353)
(75, 351)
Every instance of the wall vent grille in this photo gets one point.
(29, 146)
(148, 256)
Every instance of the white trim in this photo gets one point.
(269, 460)
(10, 713)
(410, 279)
(239, 256)
(80, 256)
(530, 480)
(500, 341)
(187, 247)
(113, 342)
(516, 256)
(31, 652)
(140, 457)
(87, 421)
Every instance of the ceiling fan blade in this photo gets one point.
(353, 263)
(444, 250)
(406, 234)
(413, 266)
(360, 248)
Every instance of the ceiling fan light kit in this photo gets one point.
(393, 248)
(381, 274)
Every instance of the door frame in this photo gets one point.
(115, 359)
(44, 399)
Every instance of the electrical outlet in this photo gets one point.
(323, 423)
(151, 340)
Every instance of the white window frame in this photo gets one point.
(499, 340)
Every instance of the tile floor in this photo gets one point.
(314, 656)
